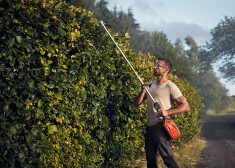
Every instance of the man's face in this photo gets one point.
(160, 68)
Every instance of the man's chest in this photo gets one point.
(158, 91)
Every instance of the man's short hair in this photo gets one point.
(167, 62)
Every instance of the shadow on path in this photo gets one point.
(219, 133)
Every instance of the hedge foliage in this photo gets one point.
(66, 93)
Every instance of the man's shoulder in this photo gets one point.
(175, 91)
(170, 83)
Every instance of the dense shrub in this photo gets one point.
(65, 91)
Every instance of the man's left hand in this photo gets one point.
(162, 112)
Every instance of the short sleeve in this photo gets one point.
(175, 91)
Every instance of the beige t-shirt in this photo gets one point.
(164, 94)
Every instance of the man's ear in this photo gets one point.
(167, 70)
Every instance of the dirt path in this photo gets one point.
(219, 133)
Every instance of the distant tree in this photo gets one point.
(131, 21)
(222, 47)
(115, 21)
(101, 11)
(186, 63)
(214, 93)
(205, 60)
(192, 53)
(141, 41)
(86, 4)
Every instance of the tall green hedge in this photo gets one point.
(64, 89)
(66, 94)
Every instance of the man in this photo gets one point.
(165, 93)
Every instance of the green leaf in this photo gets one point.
(42, 52)
(59, 96)
(113, 87)
(40, 103)
(61, 31)
(21, 155)
(28, 138)
(52, 129)
(19, 39)
(10, 129)
(58, 6)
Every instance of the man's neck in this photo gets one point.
(162, 79)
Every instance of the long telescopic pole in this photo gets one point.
(156, 105)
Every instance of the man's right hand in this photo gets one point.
(147, 86)
(142, 95)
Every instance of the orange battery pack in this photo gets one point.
(171, 127)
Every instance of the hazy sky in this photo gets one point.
(179, 18)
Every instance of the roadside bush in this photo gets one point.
(66, 94)
(64, 90)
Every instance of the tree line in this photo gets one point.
(193, 64)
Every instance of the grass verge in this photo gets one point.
(187, 155)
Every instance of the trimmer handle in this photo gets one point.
(156, 105)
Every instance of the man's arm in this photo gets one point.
(182, 107)
(140, 97)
